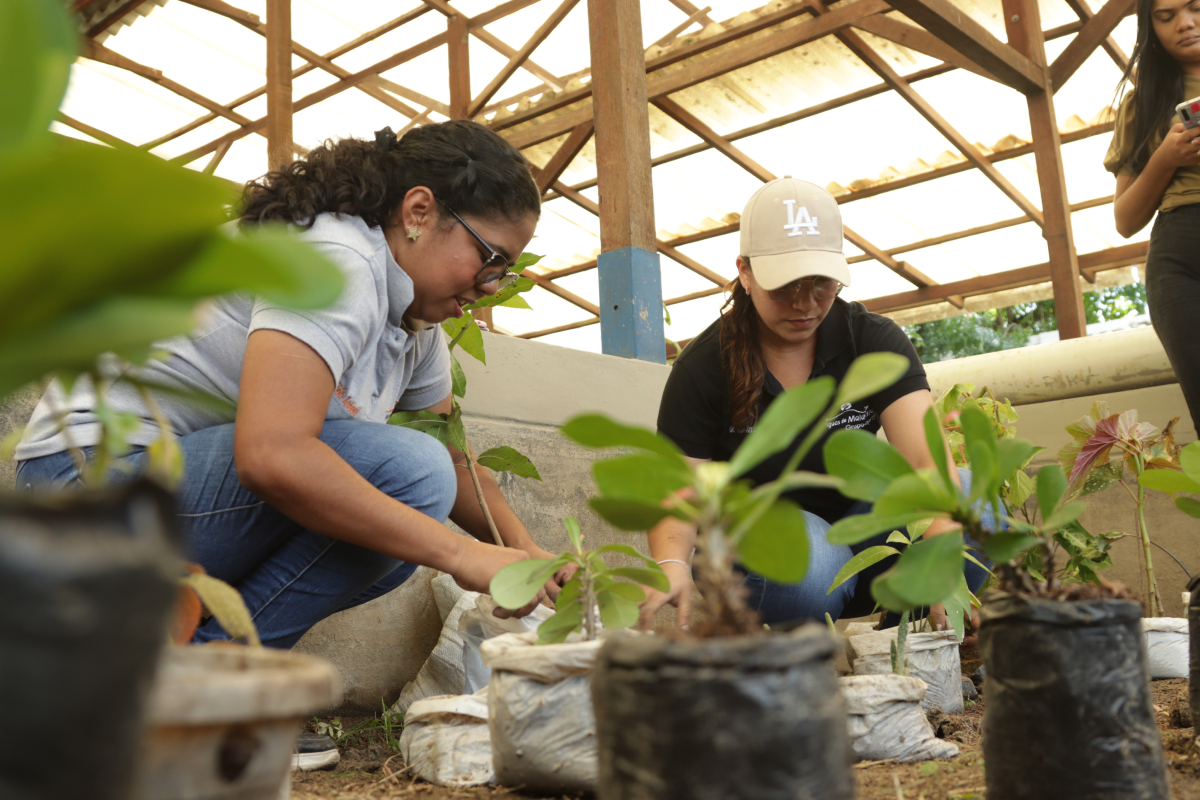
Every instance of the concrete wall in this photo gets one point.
(528, 388)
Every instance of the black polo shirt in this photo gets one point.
(695, 412)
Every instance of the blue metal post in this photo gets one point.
(631, 307)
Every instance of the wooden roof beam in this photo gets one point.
(920, 40)
(548, 175)
(522, 55)
(660, 85)
(337, 52)
(902, 87)
(1010, 279)
(312, 99)
(958, 29)
(689, 9)
(674, 33)
(1096, 31)
(109, 19)
(1084, 12)
(500, 47)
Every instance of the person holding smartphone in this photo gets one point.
(1156, 159)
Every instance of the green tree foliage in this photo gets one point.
(1006, 328)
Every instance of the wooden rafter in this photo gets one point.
(660, 84)
(902, 87)
(278, 33)
(689, 9)
(500, 47)
(109, 19)
(252, 22)
(95, 133)
(1095, 33)
(1084, 12)
(729, 150)
(957, 28)
(459, 51)
(337, 52)
(1111, 258)
(215, 161)
(499, 12)
(312, 99)
(522, 55)
(863, 8)
(548, 175)
(559, 291)
(696, 16)
(918, 39)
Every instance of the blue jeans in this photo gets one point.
(778, 603)
(290, 577)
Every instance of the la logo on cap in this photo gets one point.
(795, 223)
(792, 229)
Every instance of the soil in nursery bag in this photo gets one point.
(1069, 711)
(751, 716)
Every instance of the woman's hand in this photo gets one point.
(940, 622)
(679, 595)
(1180, 147)
(478, 563)
(560, 578)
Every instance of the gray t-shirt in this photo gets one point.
(377, 361)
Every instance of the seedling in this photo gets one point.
(753, 526)
(593, 589)
(448, 428)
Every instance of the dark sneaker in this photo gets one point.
(315, 751)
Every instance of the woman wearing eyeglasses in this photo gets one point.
(784, 325)
(306, 500)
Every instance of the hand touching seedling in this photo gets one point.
(594, 587)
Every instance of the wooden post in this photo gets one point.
(460, 66)
(1024, 25)
(280, 151)
(631, 310)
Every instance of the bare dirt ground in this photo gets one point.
(370, 770)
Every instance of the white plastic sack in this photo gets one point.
(1168, 646)
(540, 713)
(887, 721)
(932, 657)
(478, 624)
(446, 740)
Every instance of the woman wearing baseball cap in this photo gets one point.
(784, 325)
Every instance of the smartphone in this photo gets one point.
(1189, 112)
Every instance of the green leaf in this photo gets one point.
(881, 590)
(516, 301)
(860, 527)
(509, 297)
(1101, 477)
(628, 513)
(647, 476)
(574, 534)
(1188, 506)
(790, 413)
(598, 431)
(525, 260)
(867, 558)
(436, 425)
(1014, 453)
(458, 378)
(866, 464)
(1051, 486)
(37, 48)
(629, 551)
(455, 430)
(514, 585)
(897, 536)
(927, 572)
(957, 606)
(558, 627)
(1064, 516)
(1004, 547)
(226, 604)
(802, 479)
(937, 444)
(1020, 487)
(471, 340)
(628, 590)
(914, 492)
(869, 374)
(616, 610)
(1169, 481)
(654, 578)
(983, 451)
(776, 546)
(1189, 459)
(506, 459)
(266, 260)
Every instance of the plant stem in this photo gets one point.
(487, 512)
(1152, 599)
(589, 605)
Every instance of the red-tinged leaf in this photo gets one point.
(1095, 450)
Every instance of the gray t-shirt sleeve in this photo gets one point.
(342, 331)
(430, 381)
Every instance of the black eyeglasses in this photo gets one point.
(495, 266)
(821, 287)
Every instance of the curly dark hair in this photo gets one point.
(741, 355)
(467, 166)
(1159, 88)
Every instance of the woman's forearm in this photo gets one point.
(1136, 203)
(672, 539)
(468, 515)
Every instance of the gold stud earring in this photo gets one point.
(414, 231)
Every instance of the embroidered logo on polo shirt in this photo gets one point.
(852, 418)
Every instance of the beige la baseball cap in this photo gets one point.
(792, 229)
